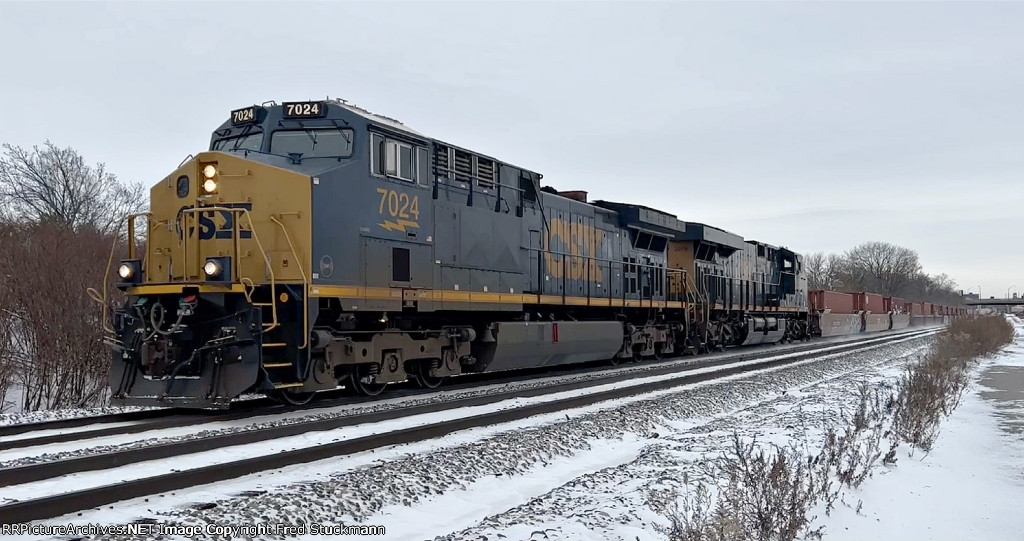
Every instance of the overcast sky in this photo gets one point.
(813, 125)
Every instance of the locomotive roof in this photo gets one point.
(374, 117)
(639, 216)
(713, 235)
(398, 125)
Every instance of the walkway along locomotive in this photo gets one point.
(318, 244)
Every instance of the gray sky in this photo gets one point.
(813, 125)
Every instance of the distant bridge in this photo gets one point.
(994, 302)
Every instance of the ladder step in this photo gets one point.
(274, 345)
(263, 304)
(276, 365)
(287, 385)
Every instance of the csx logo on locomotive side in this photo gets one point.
(582, 243)
(209, 228)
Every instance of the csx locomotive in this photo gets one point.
(317, 244)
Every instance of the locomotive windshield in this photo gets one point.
(312, 143)
(253, 141)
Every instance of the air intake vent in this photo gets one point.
(463, 166)
(442, 165)
(485, 172)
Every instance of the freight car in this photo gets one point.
(836, 314)
(316, 244)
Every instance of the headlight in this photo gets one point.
(210, 171)
(210, 185)
(218, 270)
(130, 272)
(212, 268)
(125, 271)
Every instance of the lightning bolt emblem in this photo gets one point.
(399, 225)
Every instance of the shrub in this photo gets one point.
(933, 386)
(767, 494)
(50, 333)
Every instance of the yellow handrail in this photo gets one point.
(252, 228)
(305, 283)
(95, 295)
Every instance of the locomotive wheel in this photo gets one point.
(291, 398)
(420, 373)
(659, 352)
(360, 387)
(428, 382)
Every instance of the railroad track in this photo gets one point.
(99, 469)
(26, 435)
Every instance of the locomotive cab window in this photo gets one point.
(312, 143)
(253, 141)
(392, 158)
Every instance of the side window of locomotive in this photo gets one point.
(391, 158)
(312, 143)
(376, 154)
(406, 162)
(396, 159)
(422, 165)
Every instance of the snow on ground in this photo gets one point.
(105, 444)
(11, 414)
(970, 486)
(11, 402)
(581, 474)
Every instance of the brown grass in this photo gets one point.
(933, 387)
(767, 497)
(767, 494)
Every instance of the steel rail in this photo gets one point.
(257, 408)
(173, 418)
(61, 504)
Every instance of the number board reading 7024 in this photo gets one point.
(245, 115)
(305, 109)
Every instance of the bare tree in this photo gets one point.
(7, 320)
(943, 282)
(823, 271)
(881, 267)
(814, 266)
(58, 219)
(54, 350)
(55, 184)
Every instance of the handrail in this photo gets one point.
(95, 295)
(611, 265)
(305, 283)
(235, 238)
